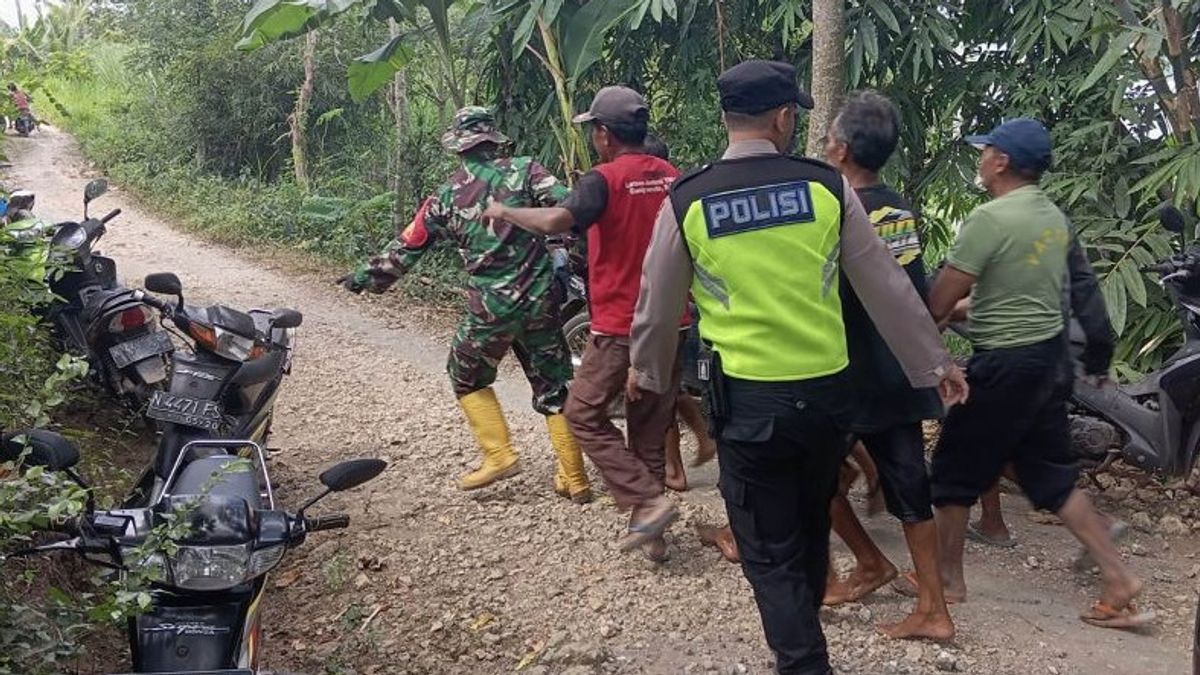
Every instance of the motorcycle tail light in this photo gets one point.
(129, 319)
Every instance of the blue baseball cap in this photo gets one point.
(1026, 142)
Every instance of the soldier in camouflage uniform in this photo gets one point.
(509, 299)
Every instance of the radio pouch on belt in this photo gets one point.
(716, 398)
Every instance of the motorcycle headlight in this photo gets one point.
(233, 346)
(210, 568)
(264, 560)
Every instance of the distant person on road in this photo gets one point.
(616, 202)
(509, 304)
(19, 99)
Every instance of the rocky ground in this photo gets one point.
(432, 580)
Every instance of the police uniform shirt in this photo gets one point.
(880, 283)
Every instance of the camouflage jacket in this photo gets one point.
(507, 266)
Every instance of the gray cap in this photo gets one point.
(616, 105)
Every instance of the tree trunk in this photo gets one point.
(828, 69)
(398, 101)
(1187, 99)
(299, 116)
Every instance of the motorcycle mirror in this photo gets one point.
(46, 448)
(94, 189)
(165, 283)
(351, 473)
(1171, 218)
(286, 318)
(345, 476)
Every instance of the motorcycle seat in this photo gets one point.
(196, 476)
(1143, 387)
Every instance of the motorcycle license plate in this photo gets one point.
(137, 349)
(194, 412)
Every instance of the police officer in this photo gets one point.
(759, 236)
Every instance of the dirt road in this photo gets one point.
(432, 580)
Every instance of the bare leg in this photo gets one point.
(1118, 585)
(872, 569)
(691, 414)
(952, 530)
(991, 518)
(676, 478)
(931, 618)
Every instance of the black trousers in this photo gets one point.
(780, 452)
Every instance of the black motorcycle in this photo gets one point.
(224, 387)
(570, 281)
(25, 123)
(208, 583)
(1156, 420)
(99, 320)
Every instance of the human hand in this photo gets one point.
(953, 388)
(494, 211)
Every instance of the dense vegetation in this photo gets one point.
(314, 123)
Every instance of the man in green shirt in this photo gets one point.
(1011, 258)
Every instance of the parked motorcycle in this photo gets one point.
(208, 584)
(224, 387)
(25, 123)
(570, 279)
(97, 319)
(1156, 420)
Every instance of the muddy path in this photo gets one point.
(432, 580)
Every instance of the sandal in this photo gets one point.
(656, 551)
(660, 519)
(1105, 615)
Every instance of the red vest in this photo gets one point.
(617, 241)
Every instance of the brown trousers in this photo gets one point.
(633, 472)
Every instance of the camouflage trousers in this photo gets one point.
(535, 337)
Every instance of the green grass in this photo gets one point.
(113, 113)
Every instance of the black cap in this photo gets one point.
(756, 86)
(616, 105)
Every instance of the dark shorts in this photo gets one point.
(899, 452)
(1017, 412)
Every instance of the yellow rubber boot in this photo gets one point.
(560, 480)
(491, 431)
(573, 481)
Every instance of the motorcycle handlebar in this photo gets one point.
(111, 214)
(160, 305)
(329, 521)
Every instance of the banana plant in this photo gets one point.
(270, 21)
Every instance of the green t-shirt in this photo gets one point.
(1016, 247)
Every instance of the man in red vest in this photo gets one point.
(616, 203)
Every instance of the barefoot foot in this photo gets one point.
(858, 585)
(918, 625)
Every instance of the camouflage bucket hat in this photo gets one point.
(472, 125)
